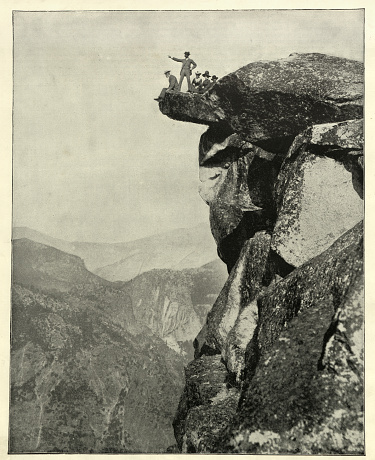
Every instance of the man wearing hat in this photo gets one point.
(197, 82)
(173, 85)
(187, 66)
(214, 80)
(206, 82)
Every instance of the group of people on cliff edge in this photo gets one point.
(200, 84)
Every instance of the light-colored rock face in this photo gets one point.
(238, 339)
(214, 160)
(243, 204)
(241, 288)
(162, 299)
(319, 205)
(347, 134)
(212, 178)
(233, 198)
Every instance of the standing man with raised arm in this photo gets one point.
(188, 65)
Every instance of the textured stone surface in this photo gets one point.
(213, 148)
(282, 159)
(205, 425)
(243, 205)
(340, 141)
(237, 180)
(347, 134)
(205, 378)
(217, 151)
(274, 99)
(302, 389)
(242, 286)
(190, 107)
(315, 405)
(232, 200)
(212, 178)
(318, 203)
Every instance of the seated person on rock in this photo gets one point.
(197, 82)
(173, 85)
(206, 82)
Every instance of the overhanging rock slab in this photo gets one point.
(268, 100)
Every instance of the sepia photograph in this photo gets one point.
(187, 232)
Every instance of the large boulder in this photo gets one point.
(268, 100)
(302, 378)
(243, 205)
(237, 340)
(217, 151)
(190, 107)
(318, 191)
(237, 180)
(205, 425)
(346, 134)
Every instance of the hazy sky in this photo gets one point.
(93, 158)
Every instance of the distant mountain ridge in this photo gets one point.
(177, 249)
(49, 268)
(173, 304)
(79, 357)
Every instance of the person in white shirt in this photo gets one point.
(197, 82)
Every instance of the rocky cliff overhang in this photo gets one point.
(279, 362)
(275, 99)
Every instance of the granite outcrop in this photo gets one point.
(278, 365)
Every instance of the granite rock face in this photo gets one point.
(281, 168)
(319, 202)
(303, 392)
(206, 407)
(243, 285)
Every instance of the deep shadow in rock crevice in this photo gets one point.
(278, 145)
(230, 247)
(276, 265)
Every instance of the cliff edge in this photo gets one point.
(278, 365)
